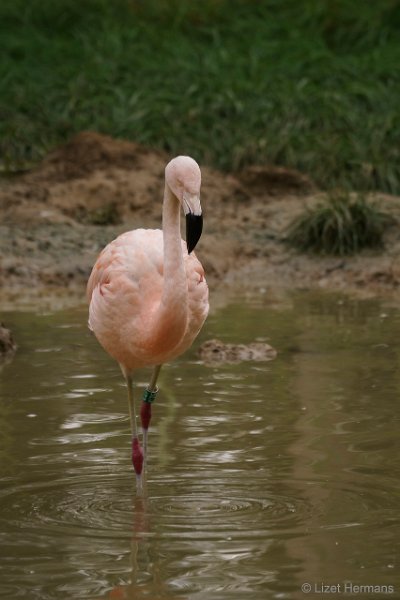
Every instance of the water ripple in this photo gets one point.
(103, 505)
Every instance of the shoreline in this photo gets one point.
(56, 218)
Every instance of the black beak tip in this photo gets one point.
(194, 227)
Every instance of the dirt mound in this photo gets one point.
(92, 179)
(86, 153)
(96, 180)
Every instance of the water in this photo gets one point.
(262, 476)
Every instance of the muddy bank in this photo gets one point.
(56, 218)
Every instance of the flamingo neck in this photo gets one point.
(172, 313)
(175, 285)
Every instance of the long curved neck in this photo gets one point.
(171, 317)
(175, 285)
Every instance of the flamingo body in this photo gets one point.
(125, 291)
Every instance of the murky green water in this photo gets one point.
(262, 476)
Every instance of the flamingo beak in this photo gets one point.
(194, 219)
(194, 227)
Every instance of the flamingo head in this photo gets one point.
(183, 177)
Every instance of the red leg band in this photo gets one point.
(145, 414)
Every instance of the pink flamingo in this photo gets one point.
(147, 294)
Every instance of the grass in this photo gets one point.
(309, 84)
(340, 225)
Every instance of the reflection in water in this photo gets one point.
(261, 476)
(146, 581)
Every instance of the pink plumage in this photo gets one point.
(125, 292)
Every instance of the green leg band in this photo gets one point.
(149, 396)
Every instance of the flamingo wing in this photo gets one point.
(124, 290)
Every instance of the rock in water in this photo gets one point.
(7, 344)
(215, 351)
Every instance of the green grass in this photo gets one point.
(340, 225)
(310, 84)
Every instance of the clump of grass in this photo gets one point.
(339, 225)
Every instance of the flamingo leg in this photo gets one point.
(145, 412)
(131, 403)
(137, 453)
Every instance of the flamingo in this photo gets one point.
(147, 294)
